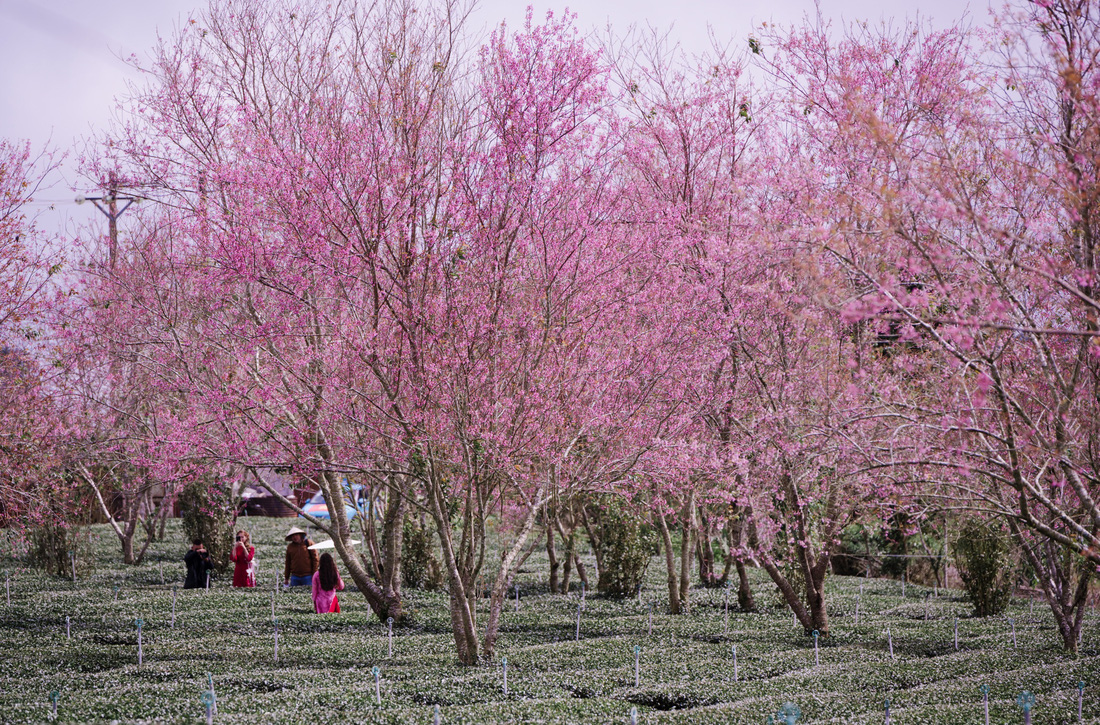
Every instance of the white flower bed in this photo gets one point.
(324, 669)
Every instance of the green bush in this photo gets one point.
(626, 547)
(983, 556)
(419, 568)
(57, 548)
(209, 512)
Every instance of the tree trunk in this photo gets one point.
(1064, 589)
(819, 615)
(369, 527)
(704, 554)
(813, 617)
(744, 590)
(509, 563)
(745, 600)
(132, 513)
(165, 506)
(597, 550)
(551, 554)
(463, 625)
(127, 541)
(790, 596)
(582, 573)
(670, 565)
(688, 525)
(567, 567)
(704, 557)
(727, 567)
(393, 539)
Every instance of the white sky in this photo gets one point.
(61, 67)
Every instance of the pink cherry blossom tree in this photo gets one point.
(33, 424)
(300, 194)
(122, 446)
(965, 239)
(539, 379)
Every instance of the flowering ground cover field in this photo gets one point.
(685, 666)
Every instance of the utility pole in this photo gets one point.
(108, 204)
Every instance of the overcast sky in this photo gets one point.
(61, 60)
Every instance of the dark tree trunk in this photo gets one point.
(736, 525)
(670, 565)
(1065, 584)
(704, 556)
(393, 537)
(688, 526)
(597, 550)
(552, 555)
(814, 566)
(567, 567)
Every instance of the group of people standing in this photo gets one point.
(303, 567)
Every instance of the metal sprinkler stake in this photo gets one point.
(208, 703)
(1026, 701)
(789, 713)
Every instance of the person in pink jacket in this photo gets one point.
(326, 582)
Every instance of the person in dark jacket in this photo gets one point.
(301, 561)
(198, 564)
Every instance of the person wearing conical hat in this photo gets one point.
(301, 562)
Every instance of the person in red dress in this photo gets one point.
(243, 551)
